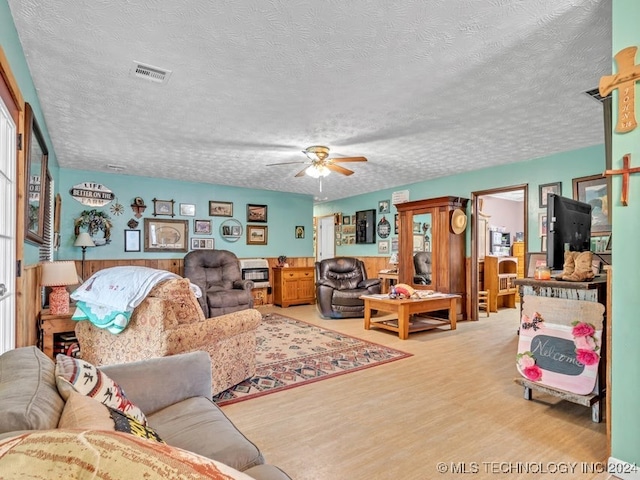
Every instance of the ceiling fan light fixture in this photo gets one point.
(317, 171)
(316, 153)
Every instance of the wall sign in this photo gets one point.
(401, 196)
(91, 194)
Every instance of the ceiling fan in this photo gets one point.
(320, 164)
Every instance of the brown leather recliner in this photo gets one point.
(217, 273)
(340, 282)
(422, 266)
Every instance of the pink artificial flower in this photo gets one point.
(583, 330)
(526, 361)
(585, 343)
(533, 373)
(587, 357)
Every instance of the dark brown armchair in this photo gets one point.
(340, 282)
(422, 266)
(217, 273)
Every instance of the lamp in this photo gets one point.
(317, 170)
(84, 240)
(58, 275)
(393, 259)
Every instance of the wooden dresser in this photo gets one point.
(518, 252)
(293, 286)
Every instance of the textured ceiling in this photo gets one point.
(422, 88)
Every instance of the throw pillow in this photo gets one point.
(101, 454)
(85, 413)
(125, 423)
(74, 374)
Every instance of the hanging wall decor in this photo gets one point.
(117, 208)
(625, 81)
(96, 223)
(92, 194)
(138, 207)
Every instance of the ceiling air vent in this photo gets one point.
(595, 94)
(149, 72)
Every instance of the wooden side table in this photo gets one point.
(386, 280)
(49, 325)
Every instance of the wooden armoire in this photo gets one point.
(448, 248)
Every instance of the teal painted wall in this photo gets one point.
(10, 43)
(561, 167)
(284, 212)
(626, 260)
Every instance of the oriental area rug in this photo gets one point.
(291, 353)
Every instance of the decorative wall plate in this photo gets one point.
(384, 228)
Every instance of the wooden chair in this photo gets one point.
(483, 300)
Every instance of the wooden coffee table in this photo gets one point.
(404, 308)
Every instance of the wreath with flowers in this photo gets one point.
(584, 339)
(94, 221)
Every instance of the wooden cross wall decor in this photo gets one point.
(625, 80)
(625, 171)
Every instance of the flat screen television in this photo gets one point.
(569, 228)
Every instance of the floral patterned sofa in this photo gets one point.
(170, 321)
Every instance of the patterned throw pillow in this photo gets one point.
(102, 454)
(85, 413)
(125, 423)
(74, 374)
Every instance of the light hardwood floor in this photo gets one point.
(452, 403)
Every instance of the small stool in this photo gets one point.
(483, 300)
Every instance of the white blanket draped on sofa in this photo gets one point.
(109, 296)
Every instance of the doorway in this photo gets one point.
(325, 237)
(8, 181)
(499, 225)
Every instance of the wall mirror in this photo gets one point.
(35, 153)
(421, 241)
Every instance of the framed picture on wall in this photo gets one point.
(132, 240)
(220, 209)
(256, 213)
(546, 189)
(166, 235)
(202, 227)
(202, 243)
(535, 259)
(593, 190)
(542, 224)
(163, 207)
(256, 235)
(188, 209)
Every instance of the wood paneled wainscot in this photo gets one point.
(293, 286)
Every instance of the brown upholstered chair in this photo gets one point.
(217, 273)
(340, 282)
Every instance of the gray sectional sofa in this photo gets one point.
(173, 392)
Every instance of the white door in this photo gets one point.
(326, 238)
(8, 135)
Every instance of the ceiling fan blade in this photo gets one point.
(301, 172)
(339, 169)
(348, 159)
(283, 163)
